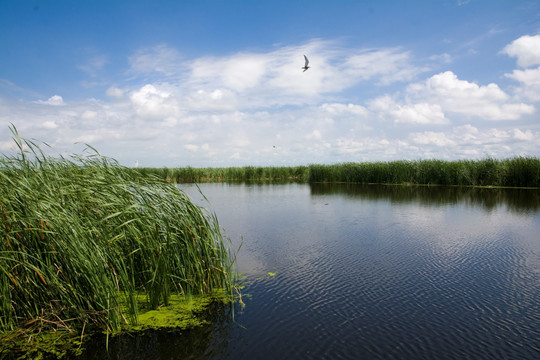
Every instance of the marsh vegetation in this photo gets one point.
(512, 172)
(83, 243)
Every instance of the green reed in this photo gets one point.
(513, 172)
(219, 174)
(82, 238)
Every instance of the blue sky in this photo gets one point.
(219, 83)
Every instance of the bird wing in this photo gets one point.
(307, 61)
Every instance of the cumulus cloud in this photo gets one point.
(260, 108)
(49, 125)
(55, 100)
(414, 113)
(153, 103)
(526, 49)
(274, 78)
(463, 97)
(468, 141)
(526, 135)
(529, 80)
(215, 100)
(340, 109)
(430, 137)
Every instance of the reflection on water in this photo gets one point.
(372, 272)
(520, 200)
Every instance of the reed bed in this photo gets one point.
(82, 238)
(221, 174)
(513, 172)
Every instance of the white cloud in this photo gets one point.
(526, 49)
(275, 78)
(239, 72)
(55, 100)
(88, 115)
(530, 83)
(115, 92)
(463, 97)
(415, 113)
(365, 149)
(390, 65)
(526, 135)
(431, 138)
(315, 134)
(214, 100)
(422, 113)
(49, 125)
(260, 108)
(191, 147)
(153, 103)
(340, 109)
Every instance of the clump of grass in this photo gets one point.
(82, 238)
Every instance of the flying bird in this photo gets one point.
(306, 65)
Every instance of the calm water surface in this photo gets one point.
(371, 272)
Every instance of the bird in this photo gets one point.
(306, 65)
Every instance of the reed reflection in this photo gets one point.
(515, 200)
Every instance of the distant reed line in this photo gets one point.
(512, 172)
(81, 240)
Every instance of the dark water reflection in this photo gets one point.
(519, 200)
(372, 272)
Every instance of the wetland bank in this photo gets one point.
(88, 246)
(358, 270)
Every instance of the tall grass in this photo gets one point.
(219, 174)
(80, 238)
(514, 172)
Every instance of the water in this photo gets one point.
(372, 272)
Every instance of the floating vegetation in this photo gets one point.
(83, 239)
(180, 314)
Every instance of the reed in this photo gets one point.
(82, 238)
(514, 172)
(220, 174)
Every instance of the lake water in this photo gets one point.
(370, 272)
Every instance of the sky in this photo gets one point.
(220, 83)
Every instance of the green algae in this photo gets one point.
(50, 344)
(181, 313)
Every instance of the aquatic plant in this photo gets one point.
(513, 172)
(82, 239)
(246, 173)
